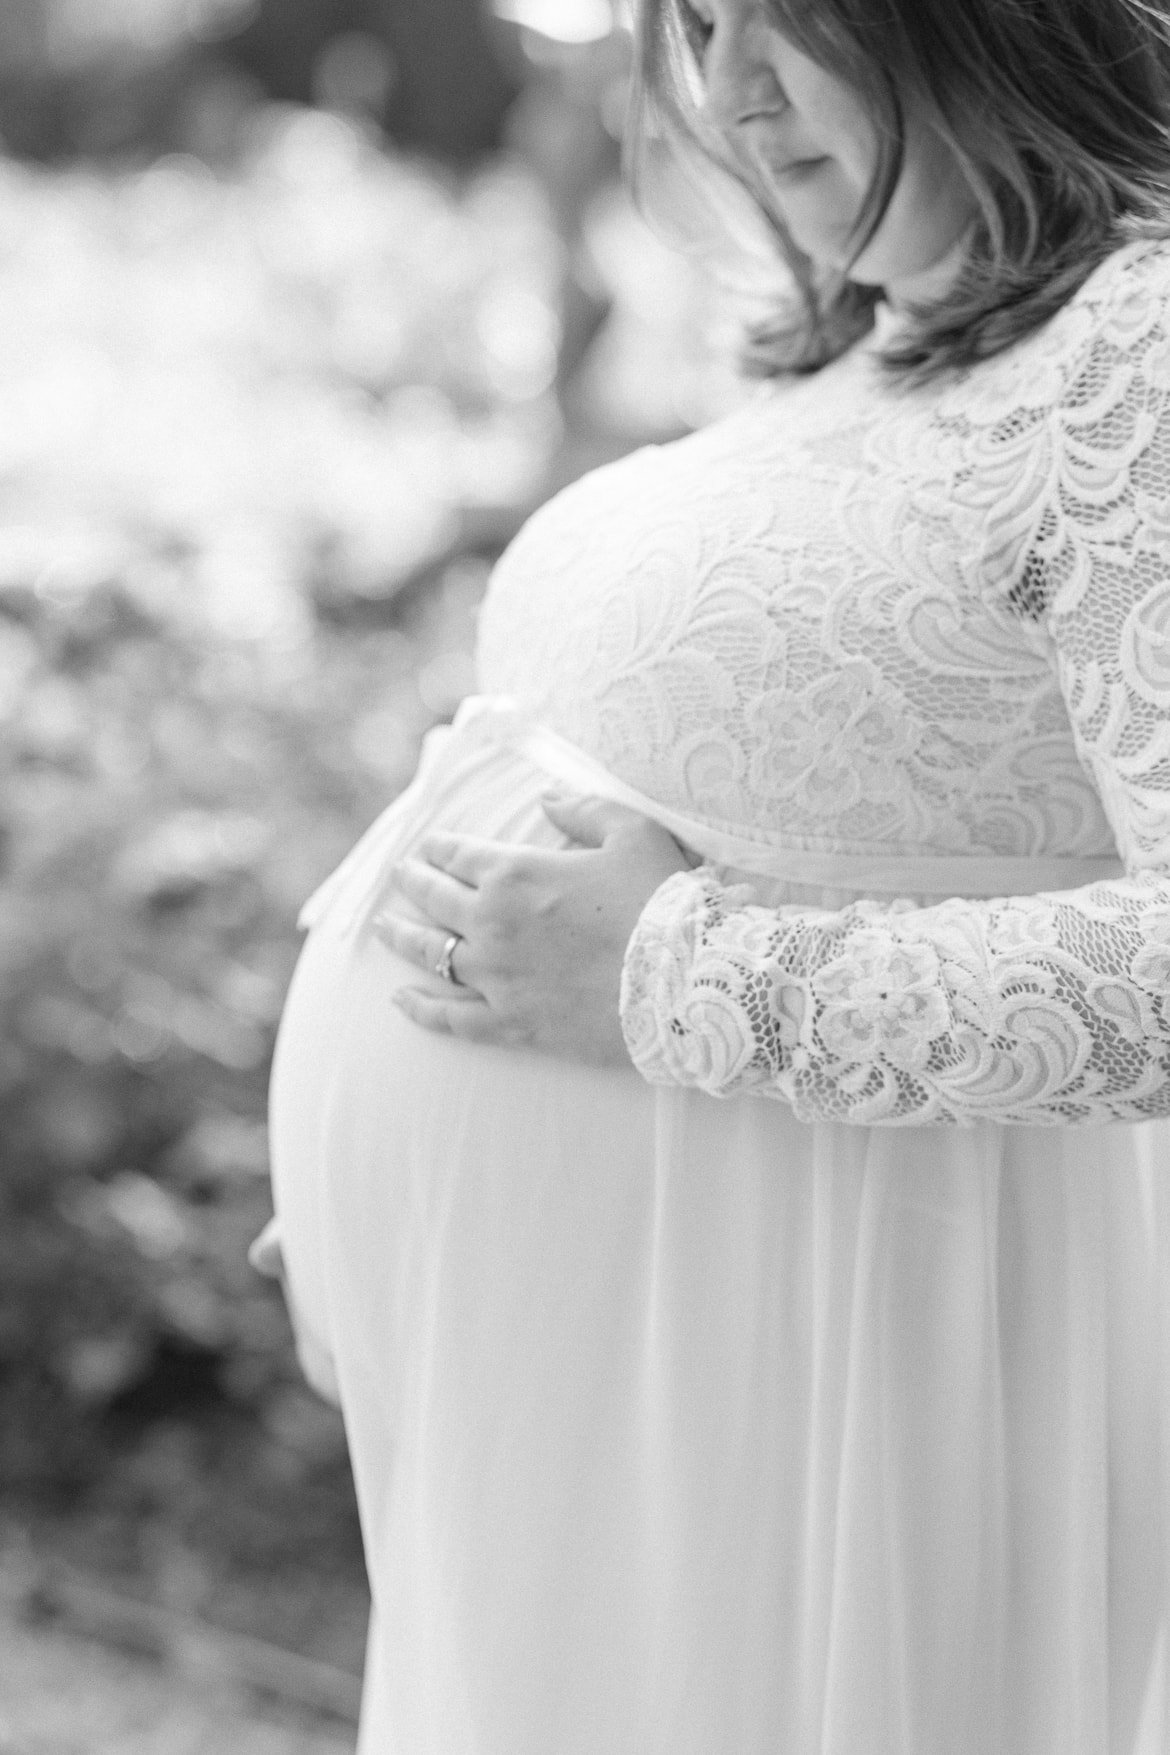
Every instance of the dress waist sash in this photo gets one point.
(484, 722)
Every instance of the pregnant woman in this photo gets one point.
(735, 1196)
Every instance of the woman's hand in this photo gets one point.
(541, 934)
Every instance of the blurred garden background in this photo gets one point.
(304, 304)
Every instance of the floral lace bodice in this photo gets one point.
(854, 620)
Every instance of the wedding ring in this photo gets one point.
(443, 968)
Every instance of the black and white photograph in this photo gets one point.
(584, 877)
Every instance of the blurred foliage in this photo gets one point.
(168, 801)
(267, 416)
(149, 781)
(101, 77)
(243, 415)
(170, 796)
(308, 375)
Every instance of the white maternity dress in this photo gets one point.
(804, 1391)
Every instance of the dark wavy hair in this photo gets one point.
(1057, 111)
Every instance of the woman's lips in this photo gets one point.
(796, 170)
(769, 155)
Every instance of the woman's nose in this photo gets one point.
(735, 82)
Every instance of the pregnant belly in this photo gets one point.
(384, 1137)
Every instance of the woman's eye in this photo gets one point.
(696, 28)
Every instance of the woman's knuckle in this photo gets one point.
(507, 910)
(509, 875)
(492, 887)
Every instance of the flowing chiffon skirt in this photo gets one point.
(680, 1427)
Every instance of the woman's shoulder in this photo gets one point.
(1115, 321)
(1134, 277)
(1121, 305)
(1108, 350)
(1093, 390)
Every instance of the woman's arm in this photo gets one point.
(1042, 1009)
(1034, 1009)
(1029, 1009)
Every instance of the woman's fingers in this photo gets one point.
(467, 858)
(544, 931)
(441, 897)
(587, 820)
(461, 1013)
(266, 1254)
(424, 946)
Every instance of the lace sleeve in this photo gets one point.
(1049, 1009)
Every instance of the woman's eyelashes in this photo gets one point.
(697, 28)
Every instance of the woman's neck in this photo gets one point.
(932, 283)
